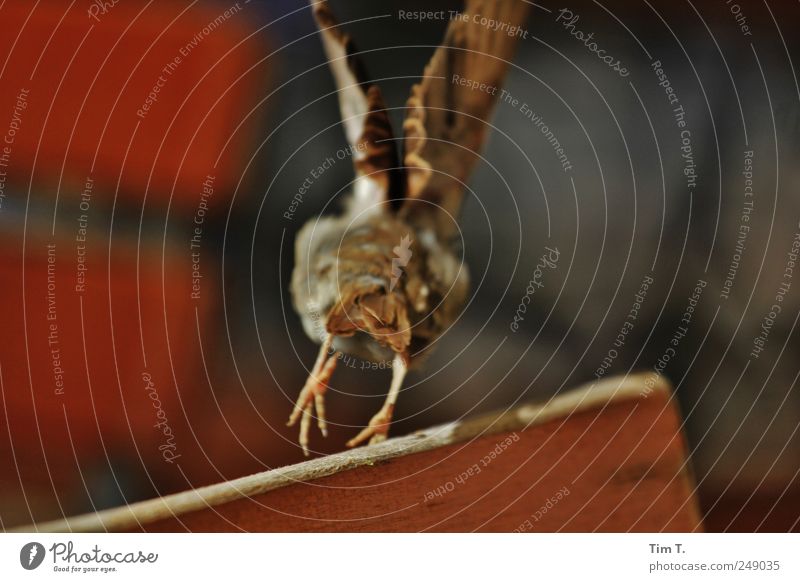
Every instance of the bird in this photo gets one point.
(384, 279)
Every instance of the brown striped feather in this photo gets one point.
(366, 122)
(446, 123)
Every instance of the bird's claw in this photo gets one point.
(377, 429)
(312, 397)
(304, 410)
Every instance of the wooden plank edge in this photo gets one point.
(584, 398)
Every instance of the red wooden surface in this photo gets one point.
(603, 458)
(610, 462)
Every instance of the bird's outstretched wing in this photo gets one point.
(366, 122)
(449, 110)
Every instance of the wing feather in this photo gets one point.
(366, 122)
(447, 120)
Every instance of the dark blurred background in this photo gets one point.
(149, 344)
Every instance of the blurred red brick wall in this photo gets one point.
(88, 81)
(94, 151)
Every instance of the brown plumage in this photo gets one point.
(385, 279)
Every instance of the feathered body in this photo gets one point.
(378, 296)
(385, 279)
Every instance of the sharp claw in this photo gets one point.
(312, 396)
(322, 422)
(360, 437)
(296, 412)
(376, 430)
(305, 424)
(377, 438)
(378, 427)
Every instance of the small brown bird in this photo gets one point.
(385, 279)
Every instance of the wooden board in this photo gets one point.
(606, 457)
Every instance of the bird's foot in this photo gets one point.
(311, 400)
(377, 429)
